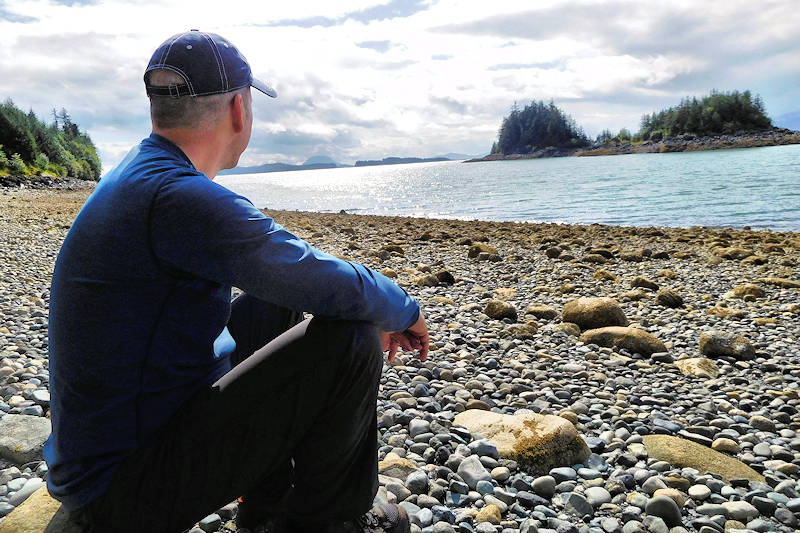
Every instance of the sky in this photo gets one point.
(367, 79)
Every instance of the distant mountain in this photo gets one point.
(790, 121)
(399, 161)
(320, 160)
(275, 167)
(453, 156)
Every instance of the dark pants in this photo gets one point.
(293, 422)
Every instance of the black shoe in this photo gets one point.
(385, 518)
(253, 519)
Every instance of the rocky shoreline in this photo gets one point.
(44, 182)
(590, 379)
(681, 143)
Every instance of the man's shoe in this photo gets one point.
(385, 518)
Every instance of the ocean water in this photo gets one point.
(756, 187)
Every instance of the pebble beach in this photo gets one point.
(581, 378)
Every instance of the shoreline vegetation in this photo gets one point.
(37, 154)
(720, 120)
(682, 143)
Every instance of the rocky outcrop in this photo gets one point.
(537, 442)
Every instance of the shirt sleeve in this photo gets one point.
(201, 228)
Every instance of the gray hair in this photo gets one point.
(195, 112)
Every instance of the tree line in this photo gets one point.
(541, 125)
(29, 146)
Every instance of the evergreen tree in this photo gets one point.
(536, 126)
(58, 149)
(715, 114)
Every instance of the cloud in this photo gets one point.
(378, 46)
(547, 65)
(391, 10)
(7, 15)
(449, 104)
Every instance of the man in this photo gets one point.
(168, 401)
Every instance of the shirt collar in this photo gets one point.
(166, 144)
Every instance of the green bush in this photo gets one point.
(3, 158)
(42, 161)
(16, 164)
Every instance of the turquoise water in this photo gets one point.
(756, 187)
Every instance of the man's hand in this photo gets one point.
(414, 338)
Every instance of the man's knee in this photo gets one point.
(353, 341)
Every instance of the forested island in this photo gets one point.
(37, 153)
(719, 120)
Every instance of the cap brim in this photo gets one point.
(264, 88)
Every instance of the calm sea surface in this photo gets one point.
(757, 187)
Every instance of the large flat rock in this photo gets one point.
(22, 437)
(40, 513)
(537, 442)
(631, 339)
(682, 453)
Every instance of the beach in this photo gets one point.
(629, 336)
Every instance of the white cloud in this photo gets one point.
(372, 78)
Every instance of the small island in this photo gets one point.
(716, 121)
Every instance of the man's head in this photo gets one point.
(199, 89)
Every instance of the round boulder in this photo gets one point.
(498, 309)
(717, 343)
(669, 298)
(592, 313)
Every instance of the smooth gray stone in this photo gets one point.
(418, 427)
(544, 486)
(210, 523)
(423, 518)
(31, 486)
(633, 526)
(652, 484)
(5, 508)
(740, 510)
(710, 509)
(22, 437)
(666, 509)
(471, 471)
(610, 524)
(484, 487)
(417, 482)
(500, 504)
(577, 505)
(484, 448)
(655, 524)
(7, 474)
(564, 473)
(597, 496)
(16, 484)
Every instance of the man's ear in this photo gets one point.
(238, 113)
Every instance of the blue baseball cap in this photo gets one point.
(209, 64)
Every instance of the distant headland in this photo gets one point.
(717, 121)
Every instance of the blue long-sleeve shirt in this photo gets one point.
(141, 296)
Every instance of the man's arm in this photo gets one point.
(201, 228)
